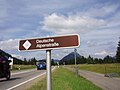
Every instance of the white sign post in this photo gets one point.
(48, 43)
(49, 82)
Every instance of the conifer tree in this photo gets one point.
(118, 52)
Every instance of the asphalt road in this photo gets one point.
(105, 83)
(20, 78)
(100, 80)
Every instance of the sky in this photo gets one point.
(96, 21)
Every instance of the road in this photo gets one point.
(100, 80)
(105, 83)
(20, 78)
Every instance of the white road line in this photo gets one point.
(25, 81)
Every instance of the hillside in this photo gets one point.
(7, 55)
(69, 59)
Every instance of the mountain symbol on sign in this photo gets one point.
(27, 44)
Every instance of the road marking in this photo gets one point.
(27, 80)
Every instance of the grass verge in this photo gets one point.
(63, 79)
(101, 68)
(23, 67)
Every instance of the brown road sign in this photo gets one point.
(68, 41)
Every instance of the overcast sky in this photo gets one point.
(96, 21)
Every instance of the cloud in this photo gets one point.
(17, 56)
(13, 33)
(110, 8)
(97, 22)
(3, 9)
(10, 44)
(3, 12)
(41, 7)
(101, 53)
(60, 24)
(102, 9)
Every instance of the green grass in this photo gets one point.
(41, 85)
(23, 67)
(101, 68)
(63, 79)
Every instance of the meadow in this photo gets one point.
(101, 68)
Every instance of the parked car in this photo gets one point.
(4, 67)
(41, 65)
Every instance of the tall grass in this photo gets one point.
(63, 79)
(101, 68)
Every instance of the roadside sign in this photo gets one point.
(48, 43)
(68, 41)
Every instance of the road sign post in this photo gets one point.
(49, 82)
(75, 55)
(76, 69)
(49, 43)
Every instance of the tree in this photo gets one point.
(33, 61)
(52, 62)
(100, 60)
(108, 59)
(96, 60)
(90, 60)
(25, 61)
(118, 52)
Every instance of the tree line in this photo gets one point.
(91, 60)
(79, 60)
(31, 61)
